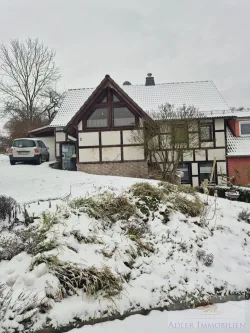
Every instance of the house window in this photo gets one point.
(123, 117)
(245, 128)
(206, 130)
(115, 99)
(105, 100)
(185, 169)
(205, 170)
(99, 118)
(180, 134)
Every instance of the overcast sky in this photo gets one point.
(176, 40)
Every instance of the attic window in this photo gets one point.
(115, 99)
(99, 118)
(123, 117)
(244, 128)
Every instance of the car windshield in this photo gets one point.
(24, 143)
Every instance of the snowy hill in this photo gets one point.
(114, 248)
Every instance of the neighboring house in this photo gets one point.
(238, 147)
(97, 124)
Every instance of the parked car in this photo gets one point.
(28, 150)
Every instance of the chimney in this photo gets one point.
(150, 81)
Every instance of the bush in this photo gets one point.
(207, 259)
(72, 277)
(188, 206)
(135, 228)
(106, 206)
(143, 190)
(169, 188)
(35, 241)
(8, 208)
(148, 197)
(244, 215)
(221, 190)
(10, 246)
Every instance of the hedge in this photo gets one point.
(221, 190)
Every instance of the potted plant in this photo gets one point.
(232, 193)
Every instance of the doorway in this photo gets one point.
(68, 150)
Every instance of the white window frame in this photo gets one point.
(243, 122)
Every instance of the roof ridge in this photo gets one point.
(80, 88)
(157, 84)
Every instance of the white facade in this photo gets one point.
(108, 146)
(49, 142)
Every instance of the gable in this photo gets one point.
(108, 110)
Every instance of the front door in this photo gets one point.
(67, 151)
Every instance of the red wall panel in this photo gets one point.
(239, 167)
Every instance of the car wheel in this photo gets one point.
(12, 163)
(39, 161)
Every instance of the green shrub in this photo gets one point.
(10, 246)
(49, 220)
(144, 189)
(35, 241)
(169, 188)
(106, 206)
(148, 197)
(221, 190)
(72, 277)
(188, 206)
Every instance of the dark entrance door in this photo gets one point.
(68, 150)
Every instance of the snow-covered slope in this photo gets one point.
(27, 183)
(153, 251)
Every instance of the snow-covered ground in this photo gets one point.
(171, 272)
(224, 318)
(27, 183)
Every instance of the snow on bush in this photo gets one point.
(8, 209)
(244, 215)
(111, 253)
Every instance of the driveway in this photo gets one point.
(28, 183)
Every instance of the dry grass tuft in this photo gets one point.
(106, 206)
(72, 277)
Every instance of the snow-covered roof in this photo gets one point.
(40, 128)
(241, 114)
(203, 95)
(237, 145)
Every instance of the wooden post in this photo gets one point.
(212, 173)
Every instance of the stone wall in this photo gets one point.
(125, 169)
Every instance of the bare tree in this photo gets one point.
(28, 73)
(18, 128)
(168, 138)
